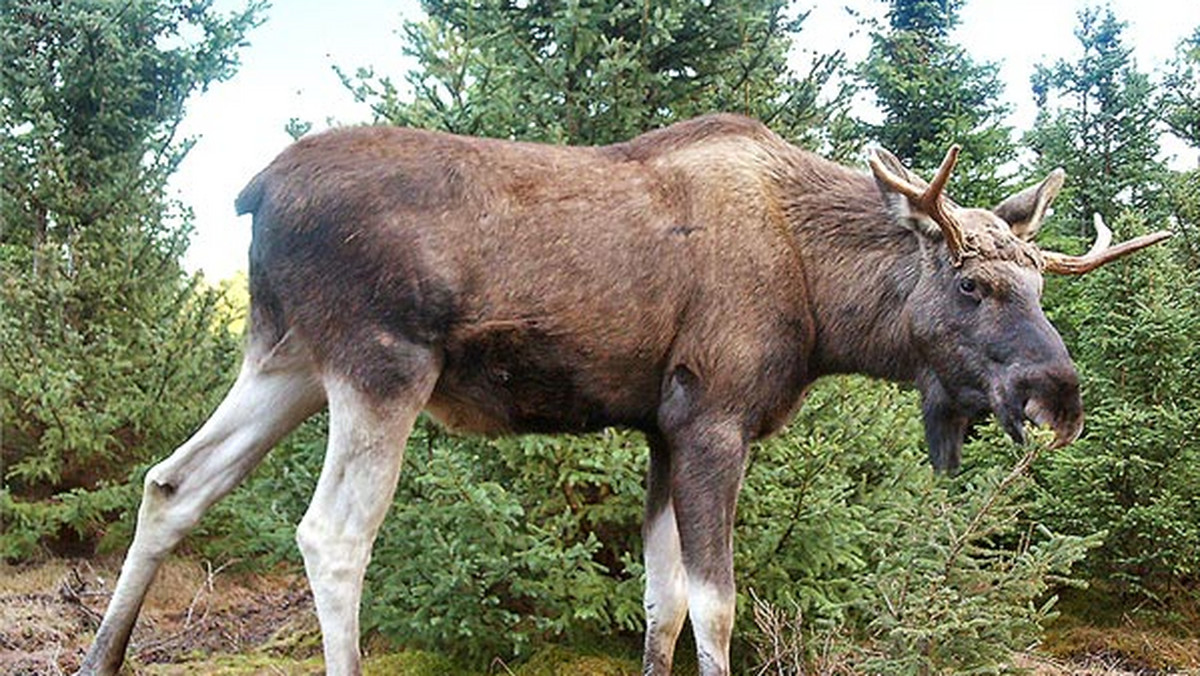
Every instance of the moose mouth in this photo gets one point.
(1049, 400)
(1055, 405)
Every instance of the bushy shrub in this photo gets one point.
(893, 569)
(1135, 472)
(491, 546)
(99, 323)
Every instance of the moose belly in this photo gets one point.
(517, 379)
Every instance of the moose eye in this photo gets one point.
(968, 286)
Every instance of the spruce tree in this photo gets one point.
(1181, 92)
(1097, 118)
(1127, 325)
(600, 71)
(98, 321)
(933, 94)
(1180, 105)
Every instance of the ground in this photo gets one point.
(49, 611)
(201, 619)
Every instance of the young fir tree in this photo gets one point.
(933, 94)
(1180, 105)
(1098, 119)
(600, 71)
(98, 321)
(1181, 92)
(1133, 473)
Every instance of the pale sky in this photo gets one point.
(287, 71)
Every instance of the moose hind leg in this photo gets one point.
(705, 480)
(367, 434)
(666, 583)
(271, 396)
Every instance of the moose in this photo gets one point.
(690, 283)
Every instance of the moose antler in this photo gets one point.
(929, 199)
(1101, 251)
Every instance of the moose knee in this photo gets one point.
(157, 485)
(168, 510)
(314, 539)
(307, 538)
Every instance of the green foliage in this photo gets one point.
(491, 546)
(1181, 91)
(97, 319)
(949, 591)
(1134, 473)
(932, 95)
(1129, 325)
(807, 505)
(1183, 201)
(1098, 119)
(599, 71)
(886, 567)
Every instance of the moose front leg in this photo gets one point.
(706, 475)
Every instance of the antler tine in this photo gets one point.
(943, 174)
(1104, 235)
(929, 199)
(935, 205)
(1101, 251)
(893, 180)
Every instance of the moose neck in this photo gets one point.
(860, 268)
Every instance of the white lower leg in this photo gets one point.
(262, 406)
(711, 608)
(666, 591)
(335, 565)
(358, 480)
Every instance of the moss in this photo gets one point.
(1098, 624)
(410, 663)
(558, 661)
(238, 665)
(299, 638)
(413, 663)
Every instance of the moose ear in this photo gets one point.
(1025, 210)
(899, 204)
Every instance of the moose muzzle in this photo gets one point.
(1044, 394)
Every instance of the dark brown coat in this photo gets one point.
(559, 284)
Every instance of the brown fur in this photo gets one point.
(561, 286)
(559, 283)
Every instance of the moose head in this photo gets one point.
(975, 317)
